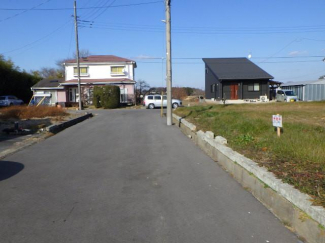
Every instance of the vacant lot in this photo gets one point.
(31, 117)
(297, 157)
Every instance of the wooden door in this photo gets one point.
(234, 91)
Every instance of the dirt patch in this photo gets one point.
(36, 124)
(15, 141)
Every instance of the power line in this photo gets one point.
(279, 51)
(26, 10)
(63, 9)
(200, 58)
(38, 40)
(104, 10)
(98, 4)
(277, 62)
(204, 31)
(212, 28)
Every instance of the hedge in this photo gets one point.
(107, 97)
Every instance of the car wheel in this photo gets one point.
(11, 104)
(151, 106)
(175, 105)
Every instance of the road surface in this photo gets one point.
(125, 176)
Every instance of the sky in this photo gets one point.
(286, 38)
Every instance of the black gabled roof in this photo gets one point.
(48, 83)
(235, 68)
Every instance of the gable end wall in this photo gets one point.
(211, 79)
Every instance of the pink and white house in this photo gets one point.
(95, 70)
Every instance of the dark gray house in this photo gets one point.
(235, 78)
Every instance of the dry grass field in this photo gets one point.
(29, 112)
(297, 157)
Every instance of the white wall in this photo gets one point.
(99, 71)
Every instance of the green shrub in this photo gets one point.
(96, 96)
(110, 97)
(107, 97)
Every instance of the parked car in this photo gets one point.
(286, 96)
(8, 100)
(153, 101)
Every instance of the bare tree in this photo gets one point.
(82, 53)
(141, 87)
(49, 73)
(60, 63)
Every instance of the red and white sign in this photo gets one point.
(277, 120)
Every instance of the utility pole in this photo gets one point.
(168, 64)
(77, 51)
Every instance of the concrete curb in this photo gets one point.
(60, 127)
(291, 206)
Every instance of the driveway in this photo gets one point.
(124, 176)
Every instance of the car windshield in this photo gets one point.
(2, 98)
(290, 93)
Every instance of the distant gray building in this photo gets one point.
(307, 90)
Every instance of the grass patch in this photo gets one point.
(29, 112)
(297, 157)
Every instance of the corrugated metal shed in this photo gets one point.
(307, 90)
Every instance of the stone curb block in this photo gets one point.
(186, 123)
(225, 155)
(64, 125)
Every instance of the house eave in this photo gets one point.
(252, 78)
(47, 88)
(95, 83)
(100, 63)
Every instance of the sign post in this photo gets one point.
(162, 104)
(277, 122)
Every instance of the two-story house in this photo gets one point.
(95, 70)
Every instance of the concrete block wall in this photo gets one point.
(291, 206)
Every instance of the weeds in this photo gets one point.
(297, 157)
(29, 112)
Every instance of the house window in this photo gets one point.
(213, 88)
(253, 87)
(117, 70)
(83, 71)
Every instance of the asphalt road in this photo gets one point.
(124, 176)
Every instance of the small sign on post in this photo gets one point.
(277, 122)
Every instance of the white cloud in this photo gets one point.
(145, 57)
(298, 53)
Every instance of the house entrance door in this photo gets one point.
(73, 95)
(234, 91)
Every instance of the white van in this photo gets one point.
(286, 96)
(154, 100)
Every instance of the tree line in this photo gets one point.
(15, 82)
